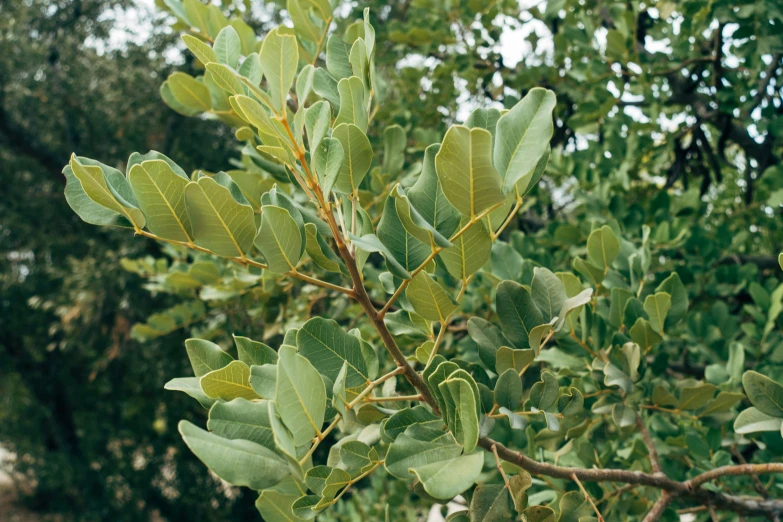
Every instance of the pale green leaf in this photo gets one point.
(279, 59)
(523, 135)
(464, 167)
(429, 299)
(327, 346)
(219, 222)
(238, 462)
(242, 419)
(445, 479)
(230, 382)
(161, 195)
(358, 157)
(279, 239)
(300, 397)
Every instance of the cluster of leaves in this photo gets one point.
(547, 362)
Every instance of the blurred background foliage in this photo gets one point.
(669, 115)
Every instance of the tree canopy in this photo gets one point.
(523, 254)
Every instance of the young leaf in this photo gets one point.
(230, 382)
(228, 47)
(206, 356)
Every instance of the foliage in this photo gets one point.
(593, 333)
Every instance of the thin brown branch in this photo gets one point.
(648, 442)
(658, 508)
(588, 497)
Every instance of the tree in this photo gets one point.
(575, 338)
(67, 363)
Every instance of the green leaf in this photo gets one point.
(509, 358)
(87, 209)
(219, 222)
(418, 447)
(192, 95)
(517, 311)
(284, 442)
(327, 346)
(764, 393)
(325, 86)
(400, 421)
(752, 420)
(200, 50)
(277, 507)
(263, 380)
(325, 481)
(253, 352)
(464, 167)
(543, 394)
(491, 503)
(523, 135)
(161, 195)
(623, 415)
(657, 306)
(357, 455)
(228, 47)
(573, 506)
(190, 385)
(427, 197)
(225, 78)
(358, 157)
(242, 419)
(643, 334)
(508, 389)
(300, 397)
(337, 62)
(413, 222)
(571, 404)
(279, 239)
(304, 85)
(539, 514)
(696, 397)
(352, 105)
(548, 293)
(470, 252)
(463, 402)
(206, 356)
(328, 161)
(320, 251)
(408, 251)
(488, 337)
(371, 243)
(722, 403)
(394, 141)
(238, 462)
(603, 247)
(318, 119)
(619, 298)
(429, 299)
(106, 187)
(446, 479)
(229, 382)
(279, 59)
(484, 119)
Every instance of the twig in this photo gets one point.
(588, 497)
(648, 441)
(658, 508)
